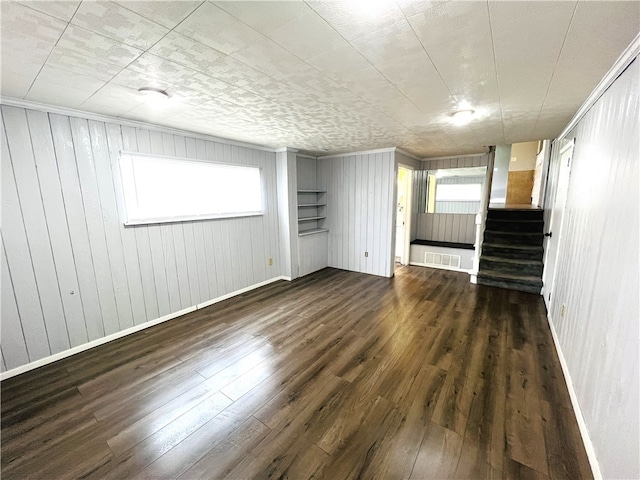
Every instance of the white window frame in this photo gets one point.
(127, 176)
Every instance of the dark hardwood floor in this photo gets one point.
(335, 375)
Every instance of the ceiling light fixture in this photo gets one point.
(462, 117)
(154, 93)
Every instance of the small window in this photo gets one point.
(166, 189)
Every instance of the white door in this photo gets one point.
(403, 215)
(555, 224)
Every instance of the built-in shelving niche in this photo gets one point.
(312, 208)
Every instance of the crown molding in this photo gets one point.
(429, 159)
(362, 152)
(16, 102)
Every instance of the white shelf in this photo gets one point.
(310, 219)
(312, 231)
(302, 205)
(312, 191)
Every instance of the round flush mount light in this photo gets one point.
(154, 93)
(462, 116)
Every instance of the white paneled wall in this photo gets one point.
(313, 252)
(443, 227)
(72, 273)
(598, 271)
(361, 210)
(447, 227)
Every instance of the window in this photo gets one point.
(166, 189)
(454, 190)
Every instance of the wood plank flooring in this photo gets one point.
(335, 375)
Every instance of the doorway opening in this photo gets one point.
(403, 215)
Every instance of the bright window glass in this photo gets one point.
(459, 193)
(165, 189)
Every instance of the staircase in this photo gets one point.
(512, 250)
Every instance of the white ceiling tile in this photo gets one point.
(218, 29)
(60, 9)
(89, 44)
(72, 61)
(335, 98)
(115, 97)
(343, 59)
(391, 43)
(186, 51)
(307, 36)
(27, 34)
(269, 58)
(355, 19)
(162, 69)
(15, 81)
(166, 13)
(264, 16)
(114, 21)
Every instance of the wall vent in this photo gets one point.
(442, 259)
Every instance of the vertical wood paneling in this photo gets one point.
(51, 191)
(594, 299)
(63, 232)
(30, 201)
(361, 188)
(95, 224)
(13, 339)
(111, 221)
(130, 251)
(76, 219)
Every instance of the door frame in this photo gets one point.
(550, 272)
(406, 251)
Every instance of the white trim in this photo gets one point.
(428, 159)
(440, 267)
(584, 431)
(304, 155)
(190, 218)
(15, 102)
(401, 151)
(123, 333)
(286, 149)
(362, 152)
(623, 61)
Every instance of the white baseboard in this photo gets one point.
(584, 432)
(123, 333)
(440, 267)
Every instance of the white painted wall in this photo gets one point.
(361, 210)
(500, 174)
(598, 275)
(523, 156)
(72, 273)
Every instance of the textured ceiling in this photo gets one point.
(321, 76)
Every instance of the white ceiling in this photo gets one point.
(321, 76)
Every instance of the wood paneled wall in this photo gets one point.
(72, 273)
(360, 210)
(598, 271)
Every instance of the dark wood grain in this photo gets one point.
(335, 375)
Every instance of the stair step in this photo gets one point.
(500, 225)
(515, 252)
(511, 265)
(524, 283)
(513, 238)
(509, 213)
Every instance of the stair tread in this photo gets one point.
(515, 220)
(501, 232)
(508, 276)
(518, 247)
(510, 260)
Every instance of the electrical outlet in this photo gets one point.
(366, 254)
(562, 310)
(270, 261)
